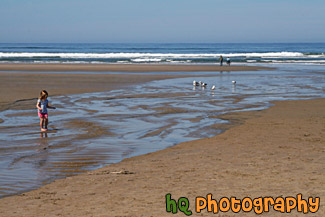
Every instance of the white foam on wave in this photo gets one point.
(146, 60)
(157, 55)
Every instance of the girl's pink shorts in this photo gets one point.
(42, 115)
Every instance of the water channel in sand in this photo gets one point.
(88, 131)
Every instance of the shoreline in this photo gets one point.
(125, 67)
(246, 160)
(14, 77)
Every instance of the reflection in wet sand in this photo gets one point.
(41, 148)
(90, 130)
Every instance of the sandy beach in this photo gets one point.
(162, 108)
(274, 152)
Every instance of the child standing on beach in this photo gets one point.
(42, 106)
(228, 61)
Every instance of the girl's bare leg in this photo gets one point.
(41, 123)
(46, 122)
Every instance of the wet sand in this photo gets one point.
(274, 152)
(20, 89)
(124, 67)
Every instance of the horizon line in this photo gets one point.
(162, 42)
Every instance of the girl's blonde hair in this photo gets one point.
(43, 94)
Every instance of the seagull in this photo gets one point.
(234, 82)
(213, 87)
(204, 84)
(195, 83)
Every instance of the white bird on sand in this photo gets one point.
(213, 87)
(204, 84)
(234, 82)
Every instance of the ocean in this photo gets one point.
(166, 53)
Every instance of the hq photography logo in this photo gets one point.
(258, 205)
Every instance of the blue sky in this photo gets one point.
(162, 21)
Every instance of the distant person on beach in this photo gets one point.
(221, 60)
(228, 61)
(42, 105)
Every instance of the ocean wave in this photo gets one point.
(306, 62)
(158, 55)
(316, 62)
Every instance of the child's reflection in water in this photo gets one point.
(42, 150)
(38, 157)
